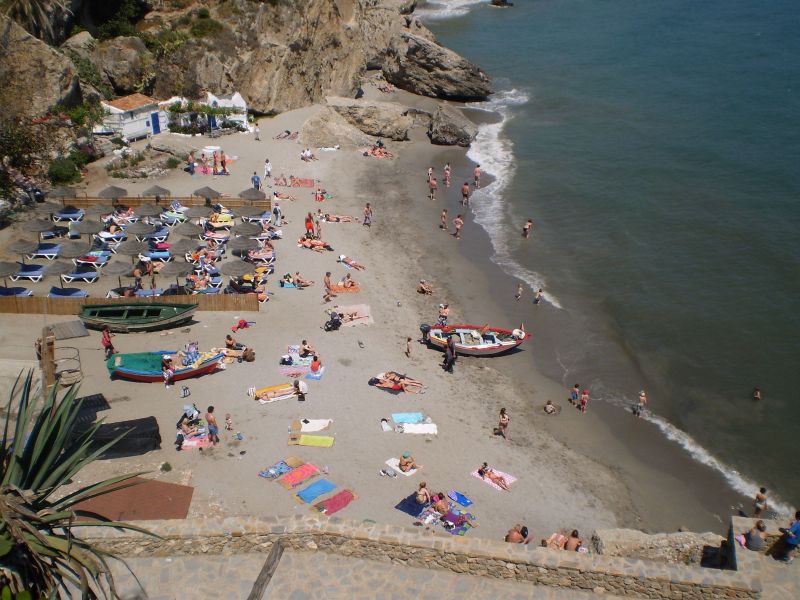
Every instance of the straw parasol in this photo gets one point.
(250, 211)
(148, 210)
(74, 249)
(119, 269)
(22, 247)
(198, 212)
(176, 269)
(7, 269)
(188, 230)
(139, 229)
(89, 227)
(247, 229)
(252, 194)
(181, 247)
(242, 244)
(58, 268)
(113, 192)
(99, 209)
(61, 192)
(207, 192)
(156, 190)
(38, 225)
(132, 248)
(238, 268)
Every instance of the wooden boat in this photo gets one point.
(136, 316)
(146, 366)
(477, 340)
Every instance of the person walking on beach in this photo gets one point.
(267, 171)
(538, 297)
(368, 215)
(450, 354)
(105, 341)
(432, 185)
(526, 229)
(408, 347)
(502, 425)
(444, 314)
(518, 295)
(458, 223)
(584, 400)
(476, 176)
(213, 427)
(465, 194)
(760, 503)
(318, 226)
(574, 394)
(277, 215)
(446, 174)
(430, 174)
(757, 394)
(328, 291)
(257, 133)
(640, 405)
(443, 220)
(256, 181)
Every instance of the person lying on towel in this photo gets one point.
(351, 263)
(312, 244)
(424, 288)
(336, 218)
(396, 382)
(488, 473)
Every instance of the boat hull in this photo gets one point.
(133, 317)
(204, 368)
(503, 339)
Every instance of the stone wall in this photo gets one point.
(414, 548)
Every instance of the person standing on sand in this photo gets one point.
(368, 215)
(450, 355)
(267, 171)
(430, 174)
(465, 194)
(538, 297)
(256, 181)
(257, 133)
(584, 400)
(213, 428)
(443, 220)
(476, 176)
(574, 394)
(318, 225)
(526, 229)
(328, 291)
(432, 185)
(642, 402)
(518, 295)
(408, 347)
(446, 175)
(444, 314)
(760, 503)
(105, 341)
(757, 394)
(502, 425)
(458, 223)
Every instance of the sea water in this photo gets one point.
(656, 145)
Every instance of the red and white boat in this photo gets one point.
(477, 340)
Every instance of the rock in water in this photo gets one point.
(423, 67)
(451, 128)
(381, 119)
(33, 76)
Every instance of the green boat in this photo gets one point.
(135, 317)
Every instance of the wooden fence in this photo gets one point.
(72, 306)
(233, 203)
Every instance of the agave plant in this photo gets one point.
(36, 16)
(41, 453)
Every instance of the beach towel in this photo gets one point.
(309, 425)
(316, 441)
(336, 503)
(302, 182)
(316, 376)
(285, 284)
(459, 497)
(408, 417)
(420, 428)
(297, 476)
(196, 442)
(281, 468)
(363, 315)
(314, 491)
(510, 479)
(410, 506)
(395, 464)
(255, 392)
(340, 289)
(294, 371)
(453, 515)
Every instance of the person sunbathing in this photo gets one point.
(300, 281)
(556, 541)
(316, 364)
(396, 382)
(307, 349)
(232, 344)
(312, 244)
(423, 496)
(517, 535)
(336, 218)
(351, 263)
(407, 463)
(281, 180)
(281, 392)
(350, 316)
(283, 135)
(440, 504)
(488, 473)
(262, 254)
(574, 542)
(348, 282)
(425, 288)
(319, 195)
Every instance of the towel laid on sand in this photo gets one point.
(421, 428)
(302, 182)
(408, 417)
(510, 479)
(315, 490)
(285, 391)
(316, 376)
(340, 289)
(459, 497)
(336, 503)
(316, 441)
(395, 464)
(297, 476)
(361, 312)
(281, 467)
(410, 506)
(453, 517)
(295, 371)
(196, 442)
(311, 425)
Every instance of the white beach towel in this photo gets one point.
(422, 428)
(385, 426)
(310, 425)
(395, 464)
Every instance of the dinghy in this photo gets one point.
(475, 340)
(146, 366)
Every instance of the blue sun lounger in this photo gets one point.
(87, 274)
(32, 272)
(159, 235)
(73, 215)
(149, 293)
(46, 250)
(7, 292)
(57, 292)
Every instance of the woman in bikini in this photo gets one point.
(423, 496)
(348, 282)
(337, 218)
(351, 263)
(488, 473)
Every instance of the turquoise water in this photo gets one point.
(657, 147)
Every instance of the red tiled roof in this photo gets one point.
(131, 102)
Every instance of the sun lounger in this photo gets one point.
(58, 231)
(159, 235)
(57, 292)
(298, 476)
(149, 293)
(281, 468)
(340, 289)
(96, 259)
(311, 425)
(88, 276)
(315, 376)
(68, 215)
(395, 464)
(314, 441)
(19, 292)
(314, 491)
(510, 479)
(46, 250)
(105, 236)
(419, 428)
(408, 417)
(31, 272)
(265, 216)
(335, 503)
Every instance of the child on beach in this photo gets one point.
(538, 297)
(526, 229)
(584, 400)
(443, 220)
(228, 422)
(518, 295)
(458, 223)
(574, 394)
(408, 347)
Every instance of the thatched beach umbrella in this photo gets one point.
(242, 244)
(176, 269)
(97, 210)
(207, 192)
(61, 193)
(156, 190)
(46, 208)
(250, 211)
(198, 212)
(118, 269)
(252, 194)
(139, 229)
(7, 269)
(22, 247)
(112, 192)
(38, 225)
(181, 247)
(58, 268)
(188, 230)
(89, 227)
(132, 248)
(238, 268)
(148, 210)
(247, 229)
(74, 249)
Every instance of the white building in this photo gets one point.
(133, 117)
(233, 101)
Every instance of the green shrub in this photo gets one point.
(166, 467)
(123, 20)
(206, 28)
(89, 73)
(184, 20)
(63, 170)
(172, 162)
(203, 13)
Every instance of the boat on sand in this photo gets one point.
(146, 366)
(136, 316)
(475, 340)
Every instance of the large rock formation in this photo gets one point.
(327, 128)
(33, 76)
(421, 66)
(380, 119)
(449, 127)
(125, 62)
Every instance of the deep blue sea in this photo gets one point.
(656, 144)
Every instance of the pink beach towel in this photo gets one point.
(335, 503)
(510, 479)
(294, 370)
(196, 442)
(302, 473)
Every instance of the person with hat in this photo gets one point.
(407, 463)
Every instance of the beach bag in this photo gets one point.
(185, 392)
(248, 355)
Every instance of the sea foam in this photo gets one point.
(446, 10)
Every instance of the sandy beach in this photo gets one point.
(571, 470)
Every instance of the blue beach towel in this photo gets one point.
(287, 285)
(276, 470)
(315, 490)
(409, 417)
(316, 376)
(459, 497)
(410, 506)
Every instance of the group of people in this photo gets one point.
(217, 164)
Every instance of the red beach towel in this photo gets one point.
(298, 182)
(335, 503)
(294, 478)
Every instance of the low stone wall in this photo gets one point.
(414, 548)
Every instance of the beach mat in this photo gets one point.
(297, 476)
(311, 425)
(363, 312)
(459, 497)
(420, 428)
(201, 441)
(395, 464)
(510, 479)
(314, 491)
(410, 506)
(148, 500)
(315, 376)
(464, 527)
(302, 182)
(314, 441)
(336, 503)
(340, 289)
(254, 392)
(294, 371)
(281, 467)
(408, 417)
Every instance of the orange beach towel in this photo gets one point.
(340, 289)
(300, 182)
(301, 474)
